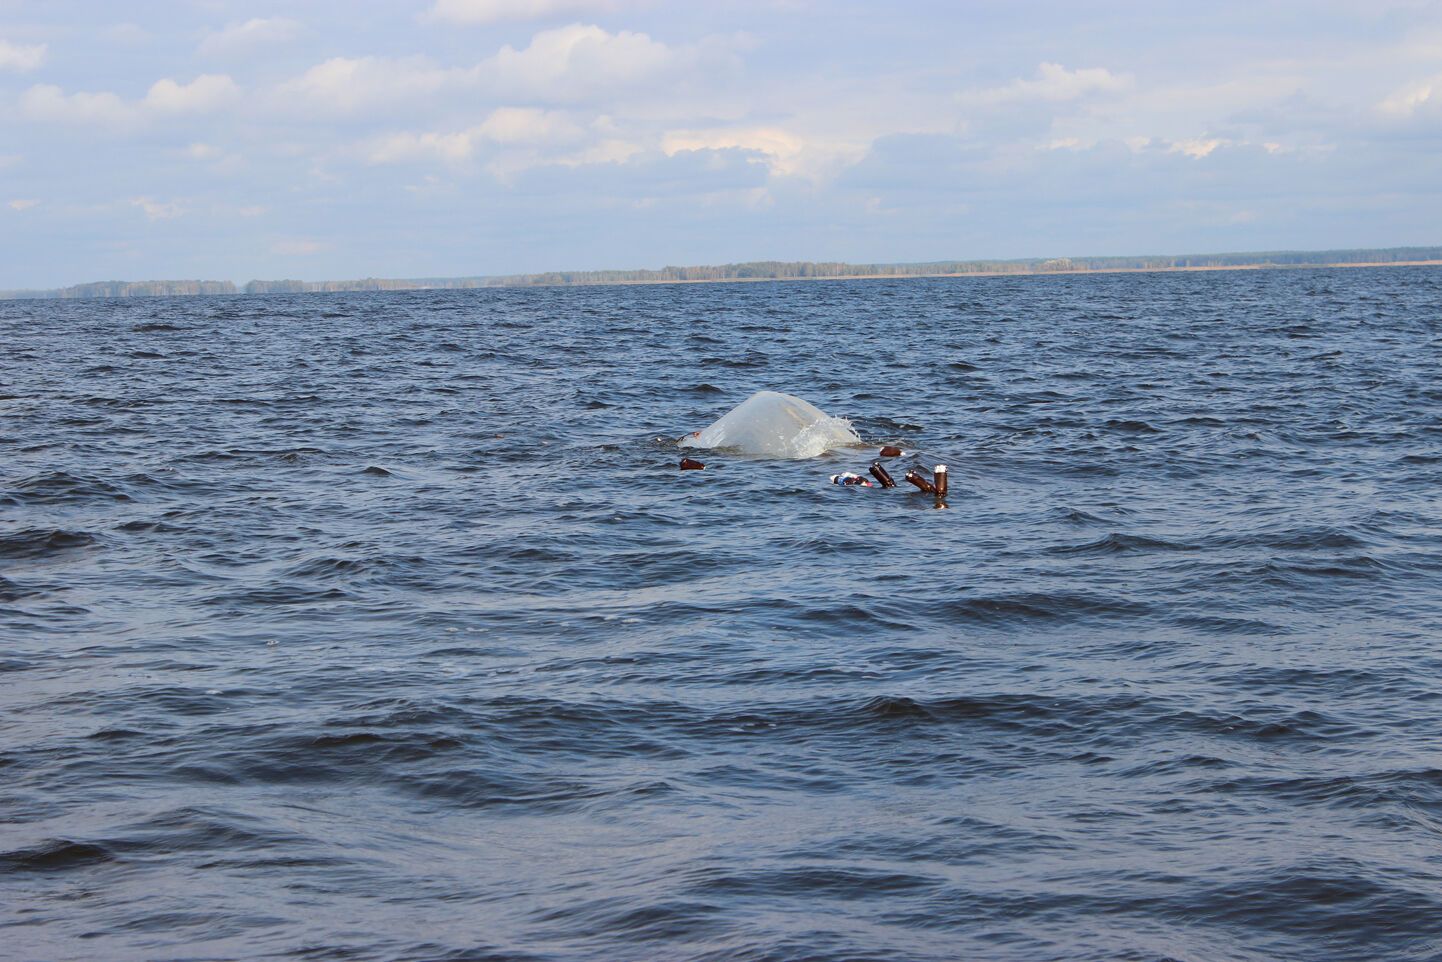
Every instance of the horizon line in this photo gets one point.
(761, 270)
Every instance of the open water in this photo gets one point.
(382, 626)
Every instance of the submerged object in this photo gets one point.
(849, 479)
(882, 475)
(891, 451)
(774, 425)
(916, 478)
(690, 464)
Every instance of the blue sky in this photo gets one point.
(322, 139)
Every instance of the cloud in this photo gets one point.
(353, 84)
(199, 151)
(1406, 101)
(22, 203)
(1054, 83)
(206, 92)
(528, 125)
(815, 155)
(582, 61)
(47, 103)
(157, 210)
(495, 11)
(1197, 147)
(405, 147)
(21, 58)
(575, 63)
(506, 126)
(780, 149)
(239, 37)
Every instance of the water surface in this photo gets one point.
(382, 626)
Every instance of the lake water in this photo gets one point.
(383, 626)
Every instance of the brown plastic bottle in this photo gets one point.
(939, 474)
(688, 464)
(915, 478)
(880, 474)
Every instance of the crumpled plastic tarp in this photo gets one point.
(774, 425)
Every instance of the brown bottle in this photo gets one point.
(689, 465)
(939, 474)
(914, 476)
(890, 452)
(879, 473)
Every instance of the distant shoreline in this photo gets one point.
(907, 277)
(766, 271)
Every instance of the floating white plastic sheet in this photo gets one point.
(774, 425)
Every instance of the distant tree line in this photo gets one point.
(129, 289)
(752, 271)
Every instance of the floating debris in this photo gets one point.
(920, 480)
(849, 479)
(774, 425)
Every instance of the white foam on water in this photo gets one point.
(774, 425)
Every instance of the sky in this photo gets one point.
(320, 139)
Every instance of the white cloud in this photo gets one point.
(568, 64)
(1054, 83)
(612, 151)
(1405, 101)
(199, 151)
(781, 149)
(527, 125)
(581, 61)
(206, 92)
(157, 210)
(238, 38)
(506, 126)
(47, 103)
(784, 152)
(23, 203)
(494, 11)
(352, 84)
(1197, 147)
(405, 147)
(21, 58)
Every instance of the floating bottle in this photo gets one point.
(880, 474)
(939, 474)
(849, 479)
(916, 478)
(690, 464)
(890, 451)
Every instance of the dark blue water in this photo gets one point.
(384, 627)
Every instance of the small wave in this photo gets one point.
(1118, 543)
(1133, 427)
(58, 855)
(1035, 606)
(60, 487)
(40, 543)
(13, 591)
